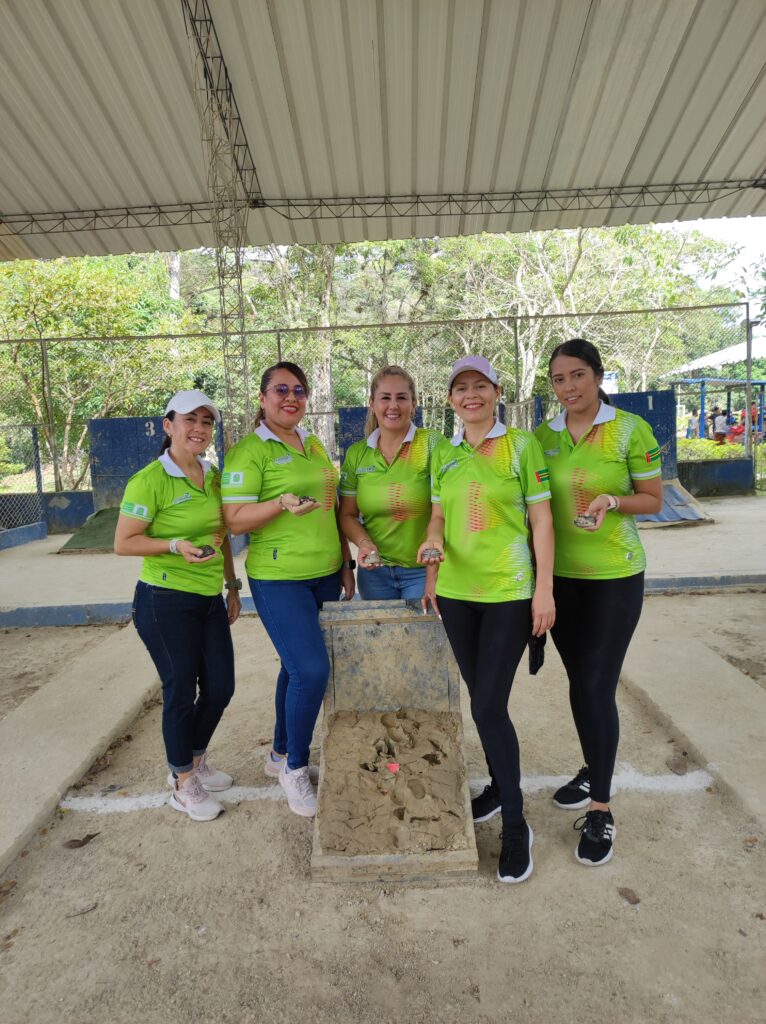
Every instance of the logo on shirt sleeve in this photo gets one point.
(542, 476)
(653, 455)
(131, 509)
(233, 479)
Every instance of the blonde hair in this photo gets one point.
(371, 422)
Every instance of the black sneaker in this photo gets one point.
(576, 793)
(487, 804)
(597, 831)
(515, 853)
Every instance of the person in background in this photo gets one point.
(385, 490)
(279, 485)
(171, 515)
(490, 499)
(693, 425)
(604, 469)
(720, 427)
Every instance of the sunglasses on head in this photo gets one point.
(283, 390)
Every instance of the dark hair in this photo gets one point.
(167, 441)
(579, 348)
(293, 368)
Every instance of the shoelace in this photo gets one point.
(202, 768)
(193, 790)
(595, 825)
(582, 779)
(513, 839)
(303, 782)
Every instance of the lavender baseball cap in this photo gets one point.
(478, 363)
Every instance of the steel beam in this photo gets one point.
(339, 208)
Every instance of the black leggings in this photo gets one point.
(488, 641)
(595, 620)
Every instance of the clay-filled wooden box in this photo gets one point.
(394, 801)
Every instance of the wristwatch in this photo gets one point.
(614, 503)
(350, 564)
(233, 584)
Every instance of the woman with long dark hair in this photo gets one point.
(385, 490)
(171, 515)
(604, 467)
(279, 485)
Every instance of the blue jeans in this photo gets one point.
(289, 611)
(189, 639)
(391, 582)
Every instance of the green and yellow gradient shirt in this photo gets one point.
(619, 448)
(394, 500)
(484, 493)
(174, 507)
(260, 467)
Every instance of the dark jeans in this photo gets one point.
(189, 639)
(289, 610)
(488, 640)
(595, 620)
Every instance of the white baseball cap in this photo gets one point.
(478, 363)
(188, 401)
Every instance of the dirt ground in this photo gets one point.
(53, 648)
(159, 919)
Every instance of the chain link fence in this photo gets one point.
(60, 384)
(21, 479)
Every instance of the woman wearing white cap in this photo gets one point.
(485, 482)
(171, 515)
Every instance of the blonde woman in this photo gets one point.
(385, 490)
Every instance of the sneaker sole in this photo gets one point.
(597, 863)
(178, 806)
(509, 879)
(572, 807)
(486, 817)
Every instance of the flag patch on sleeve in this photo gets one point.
(653, 455)
(543, 476)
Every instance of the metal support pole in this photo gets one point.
(233, 188)
(517, 368)
(38, 471)
(749, 384)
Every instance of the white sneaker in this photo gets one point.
(189, 796)
(273, 762)
(211, 779)
(301, 795)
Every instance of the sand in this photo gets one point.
(368, 805)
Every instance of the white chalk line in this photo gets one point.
(625, 780)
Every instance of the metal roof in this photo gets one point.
(476, 115)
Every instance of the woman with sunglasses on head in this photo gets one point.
(385, 490)
(490, 498)
(604, 469)
(280, 486)
(171, 514)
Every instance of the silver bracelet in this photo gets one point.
(173, 545)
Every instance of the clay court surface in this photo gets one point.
(159, 919)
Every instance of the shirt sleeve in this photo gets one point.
(644, 457)
(242, 476)
(436, 475)
(533, 472)
(140, 499)
(348, 478)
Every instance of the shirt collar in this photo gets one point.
(498, 429)
(372, 440)
(266, 434)
(605, 414)
(172, 469)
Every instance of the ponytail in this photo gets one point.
(167, 441)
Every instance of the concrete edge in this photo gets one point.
(43, 801)
(79, 614)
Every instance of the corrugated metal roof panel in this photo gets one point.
(365, 98)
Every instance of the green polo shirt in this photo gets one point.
(484, 493)
(619, 448)
(394, 500)
(174, 507)
(261, 467)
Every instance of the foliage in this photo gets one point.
(8, 468)
(699, 449)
